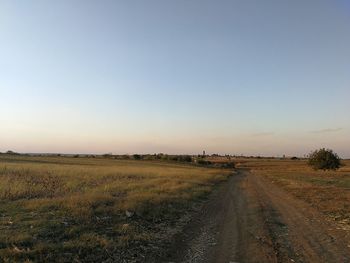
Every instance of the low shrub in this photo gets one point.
(324, 159)
(203, 162)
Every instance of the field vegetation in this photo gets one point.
(65, 209)
(121, 208)
(327, 191)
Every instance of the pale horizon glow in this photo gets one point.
(267, 78)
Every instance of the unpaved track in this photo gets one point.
(250, 220)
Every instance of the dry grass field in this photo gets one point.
(62, 209)
(327, 191)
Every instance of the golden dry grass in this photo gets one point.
(66, 209)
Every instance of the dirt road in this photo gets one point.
(250, 220)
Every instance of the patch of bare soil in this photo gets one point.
(250, 220)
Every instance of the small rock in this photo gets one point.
(129, 213)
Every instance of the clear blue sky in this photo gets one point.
(182, 76)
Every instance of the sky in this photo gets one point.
(231, 77)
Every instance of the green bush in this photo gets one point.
(324, 159)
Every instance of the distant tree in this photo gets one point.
(159, 156)
(137, 156)
(107, 155)
(324, 159)
(125, 157)
(173, 158)
(148, 157)
(186, 158)
(12, 153)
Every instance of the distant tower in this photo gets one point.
(203, 153)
